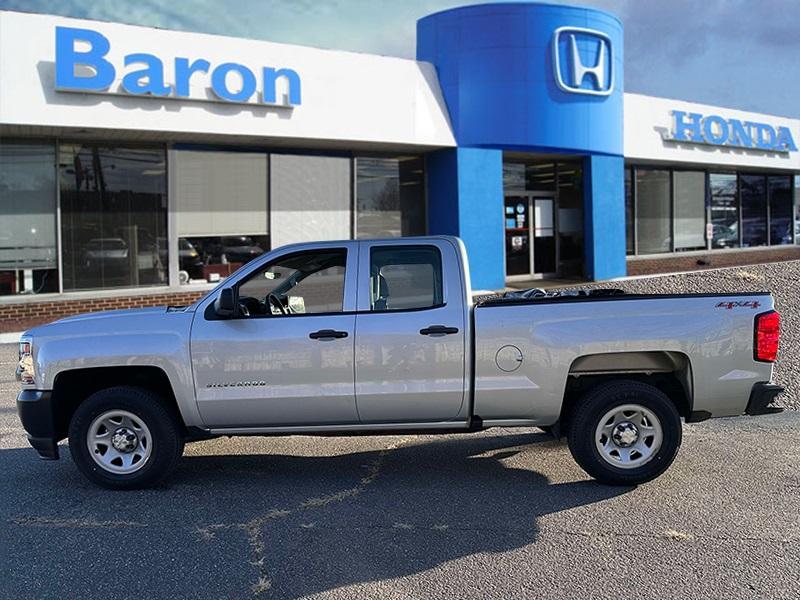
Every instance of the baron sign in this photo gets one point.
(715, 130)
(88, 70)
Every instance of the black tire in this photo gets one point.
(591, 409)
(166, 443)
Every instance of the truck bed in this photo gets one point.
(529, 345)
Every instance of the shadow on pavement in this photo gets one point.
(280, 525)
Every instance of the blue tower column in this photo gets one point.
(604, 216)
(465, 198)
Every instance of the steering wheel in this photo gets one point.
(274, 301)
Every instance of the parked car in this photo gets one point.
(384, 336)
(238, 249)
(189, 259)
(110, 253)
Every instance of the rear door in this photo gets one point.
(410, 333)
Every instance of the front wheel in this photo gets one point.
(625, 433)
(124, 438)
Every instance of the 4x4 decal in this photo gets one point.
(739, 304)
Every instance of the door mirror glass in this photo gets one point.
(225, 305)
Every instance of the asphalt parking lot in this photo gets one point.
(501, 514)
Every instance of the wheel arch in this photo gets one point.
(73, 386)
(668, 371)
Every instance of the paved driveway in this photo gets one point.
(503, 514)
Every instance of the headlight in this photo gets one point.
(25, 372)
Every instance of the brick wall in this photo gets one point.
(24, 315)
(695, 262)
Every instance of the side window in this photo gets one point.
(405, 277)
(302, 283)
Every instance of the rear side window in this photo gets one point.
(405, 277)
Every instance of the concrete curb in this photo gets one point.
(10, 338)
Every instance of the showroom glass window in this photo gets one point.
(113, 216)
(779, 188)
(724, 210)
(630, 214)
(220, 202)
(753, 194)
(797, 209)
(390, 197)
(689, 188)
(28, 255)
(654, 212)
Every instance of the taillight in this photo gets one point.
(767, 336)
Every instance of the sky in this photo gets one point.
(733, 53)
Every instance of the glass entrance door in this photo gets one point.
(530, 235)
(518, 235)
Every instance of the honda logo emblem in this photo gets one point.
(583, 61)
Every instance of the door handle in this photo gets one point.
(438, 330)
(324, 334)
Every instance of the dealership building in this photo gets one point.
(138, 166)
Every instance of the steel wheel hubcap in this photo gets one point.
(628, 436)
(119, 442)
(124, 439)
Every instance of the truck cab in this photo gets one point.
(358, 332)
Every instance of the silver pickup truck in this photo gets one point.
(385, 337)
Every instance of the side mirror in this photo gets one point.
(225, 304)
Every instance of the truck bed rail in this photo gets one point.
(540, 296)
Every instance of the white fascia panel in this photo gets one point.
(345, 96)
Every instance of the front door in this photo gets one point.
(410, 333)
(530, 236)
(286, 358)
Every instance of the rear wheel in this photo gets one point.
(125, 438)
(625, 433)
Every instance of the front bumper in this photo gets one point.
(761, 396)
(35, 409)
